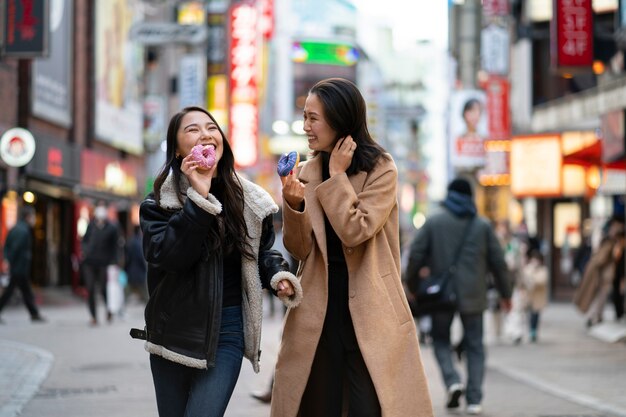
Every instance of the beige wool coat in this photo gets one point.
(363, 211)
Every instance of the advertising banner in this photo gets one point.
(468, 128)
(119, 66)
(52, 76)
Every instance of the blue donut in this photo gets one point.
(287, 162)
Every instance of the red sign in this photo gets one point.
(572, 33)
(244, 111)
(267, 19)
(103, 173)
(498, 114)
(495, 8)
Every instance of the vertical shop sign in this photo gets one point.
(192, 80)
(52, 76)
(24, 28)
(266, 20)
(498, 117)
(494, 49)
(244, 113)
(572, 33)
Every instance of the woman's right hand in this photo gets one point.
(200, 179)
(293, 190)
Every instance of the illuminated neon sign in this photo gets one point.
(244, 112)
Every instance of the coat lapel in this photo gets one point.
(311, 175)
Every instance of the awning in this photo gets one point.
(592, 156)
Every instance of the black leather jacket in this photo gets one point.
(185, 281)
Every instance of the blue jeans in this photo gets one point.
(189, 392)
(473, 347)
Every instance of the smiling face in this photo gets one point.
(198, 128)
(321, 136)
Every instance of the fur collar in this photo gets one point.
(256, 198)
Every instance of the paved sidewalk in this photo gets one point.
(64, 368)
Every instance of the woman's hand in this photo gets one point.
(285, 288)
(341, 156)
(200, 179)
(293, 190)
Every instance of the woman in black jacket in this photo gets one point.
(207, 240)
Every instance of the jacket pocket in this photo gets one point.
(395, 294)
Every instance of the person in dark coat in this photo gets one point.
(18, 254)
(434, 246)
(100, 249)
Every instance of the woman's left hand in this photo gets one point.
(341, 157)
(284, 288)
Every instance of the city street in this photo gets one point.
(65, 368)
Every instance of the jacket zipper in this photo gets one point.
(214, 313)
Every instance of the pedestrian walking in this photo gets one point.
(207, 238)
(100, 246)
(534, 278)
(597, 282)
(18, 256)
(435, 245)
(341, 223)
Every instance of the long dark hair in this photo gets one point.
(345, 112)
(233, 231)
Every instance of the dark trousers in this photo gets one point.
(95, 279)
(338, 364)
(182, 391)
(27, 294)
(618, 297)
(474, 350)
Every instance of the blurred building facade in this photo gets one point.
(551, 75)
(86, 127)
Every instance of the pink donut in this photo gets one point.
(204, 155)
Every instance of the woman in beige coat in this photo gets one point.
(351, 346)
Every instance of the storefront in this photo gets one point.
(563, 183)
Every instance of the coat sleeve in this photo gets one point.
(357, 217)
(297, 231)
(273, 267)
(174, 241)
(418, 256)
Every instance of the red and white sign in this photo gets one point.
(17, 147)
(244, 111)
(572, 33)
(495, 8)
(498, 114)
(267, 19)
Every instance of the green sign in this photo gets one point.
(324, 53)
